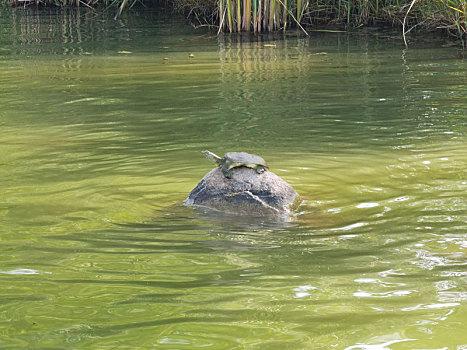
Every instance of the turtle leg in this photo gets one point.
(226, 173)
(260, 170)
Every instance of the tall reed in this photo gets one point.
(269, 15)
(258, 15)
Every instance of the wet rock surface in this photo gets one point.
(247, 192)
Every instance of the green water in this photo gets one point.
(98, 149)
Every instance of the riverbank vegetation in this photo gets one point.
(270, 15)
(267, 15)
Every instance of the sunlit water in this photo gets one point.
(101, 127)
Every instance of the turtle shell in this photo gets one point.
(241, 158)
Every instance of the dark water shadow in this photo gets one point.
(233, 220)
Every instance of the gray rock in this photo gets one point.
(247, 192)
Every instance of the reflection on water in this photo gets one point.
(99, 149)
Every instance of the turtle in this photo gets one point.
(237, 159)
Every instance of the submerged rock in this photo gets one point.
(247, 192)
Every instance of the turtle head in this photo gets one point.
(211, 156)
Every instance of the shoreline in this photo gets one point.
(448, 16)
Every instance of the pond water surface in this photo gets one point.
(101, 127)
